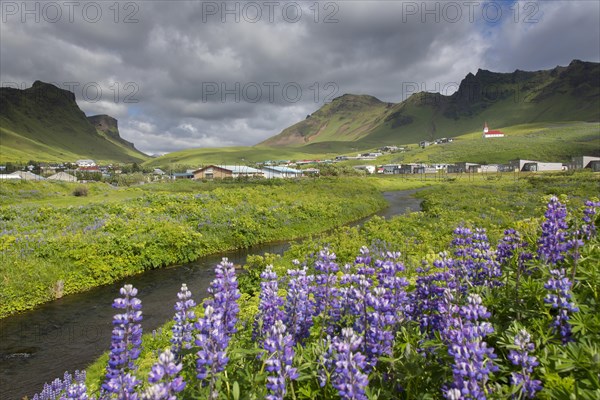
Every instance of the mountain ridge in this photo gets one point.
(570, 93)
(44, 123)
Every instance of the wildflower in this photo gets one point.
(327, 295)
(522, 358)
(299, 307)
(182, 330)
(217, 325)
(71, 387)
(280, 354)
(552, 243)
(475, 263)
(559, 296)
(472, 357)
(589, 215)
(348, 377)
(164, 379)
(269, 307)
(125, 346)
(510, 245)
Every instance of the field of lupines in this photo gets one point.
(518, 319)
(54, 245)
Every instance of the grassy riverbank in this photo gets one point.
(55, 244)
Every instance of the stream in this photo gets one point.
(38, 346)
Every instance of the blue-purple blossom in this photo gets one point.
(71, 387)
(522, 358)
(279, 348)
(552, 245)
(125, 346)
(326, 292)
(588, 227)
(270, 304)
(512, 245)
(184, 317)
(374, 295)
(475, 262)
(472, 357)
(217, 325)
(299, 307)
(559, 298)
(427, 299)
(348, 364)
(164, 380)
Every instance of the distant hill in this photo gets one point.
(44, 123)
(561, 94)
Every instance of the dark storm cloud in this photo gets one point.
(177, 76)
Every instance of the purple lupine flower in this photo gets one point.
(348, 377)
(475, 263)
(472, 357)
(71, 387)
(125, 346)
(427, 300)
(522, 358)
(299, 307)
(326, 294)
(269, 307)
(76, 392)
(559, 296)
(589, 219)
(217, 325)
(510, 245)
(390, 273)
(163, 378)
(279, 347)
(184, 317)
(377, 308)
(553, 242)
(224, 294)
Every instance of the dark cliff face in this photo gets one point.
(110, 126)
(105, 123)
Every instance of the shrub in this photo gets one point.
(80, 191)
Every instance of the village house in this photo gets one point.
(533, 166)
(85, 163)
(226, 171)
(583, 162)
(270, 172)
(63, 177)
(463, 167)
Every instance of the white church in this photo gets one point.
(491, 134)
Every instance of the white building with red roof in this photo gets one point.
(491, 134)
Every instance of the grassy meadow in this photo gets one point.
(419, 364)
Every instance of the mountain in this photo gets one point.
(44, 123)
(561, 94)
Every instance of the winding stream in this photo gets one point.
(68, 334)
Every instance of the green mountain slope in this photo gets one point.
(569, 93)
(548, 141)
(44, 123)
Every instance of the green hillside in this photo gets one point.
(44, 123)
(569, 93)
(552, 141)
(540, 141)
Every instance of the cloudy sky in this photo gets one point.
(181, 74)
